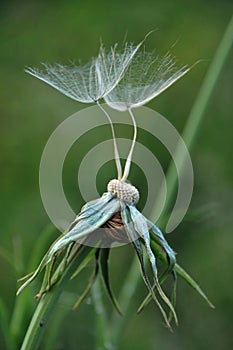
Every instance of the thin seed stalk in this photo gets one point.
(116, 152)
(129, 158)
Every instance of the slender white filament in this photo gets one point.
(129, 158)
(116, 153)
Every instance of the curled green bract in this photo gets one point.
(96, 227)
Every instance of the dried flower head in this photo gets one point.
(102, 223)
(114, 217)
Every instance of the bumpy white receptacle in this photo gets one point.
(123, 191)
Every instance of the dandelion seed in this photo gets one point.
(146, 77)
(89, 83)
(114, 218)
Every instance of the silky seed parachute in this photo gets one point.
(113, 218)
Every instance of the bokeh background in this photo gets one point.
(59, 31)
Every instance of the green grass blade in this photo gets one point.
(4, 326)
(190, 131)
(47, 304)
(105, 273)
(197, 112)
(183, 274)
(90, 284)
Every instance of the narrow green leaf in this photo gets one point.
(148, 298)
(141, 227)
(91, 282)
(80, 230)
(125, 214)
(157, 235)
(183, 274)
(42, 243)
(33, 275)
(84, 262)
(105, 273)
(4, 325)
(47, 304)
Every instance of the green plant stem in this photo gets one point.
(4, 326)
(189, 133)
(21, 307)
(196, 115)
(25, 302)
(47, 304)
(128, 290)
(103, 335)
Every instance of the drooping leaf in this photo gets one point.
(92, 207)
(183, 274)
(129, 227)
(159, 238)
(32, 275)
(148, 298)
(141, 227)
(86, 225)
(51, 277)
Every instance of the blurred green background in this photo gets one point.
(59, 31)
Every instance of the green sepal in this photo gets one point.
(141, 227)
(135, 241)
(180, 272)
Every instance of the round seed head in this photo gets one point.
(124, 191)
